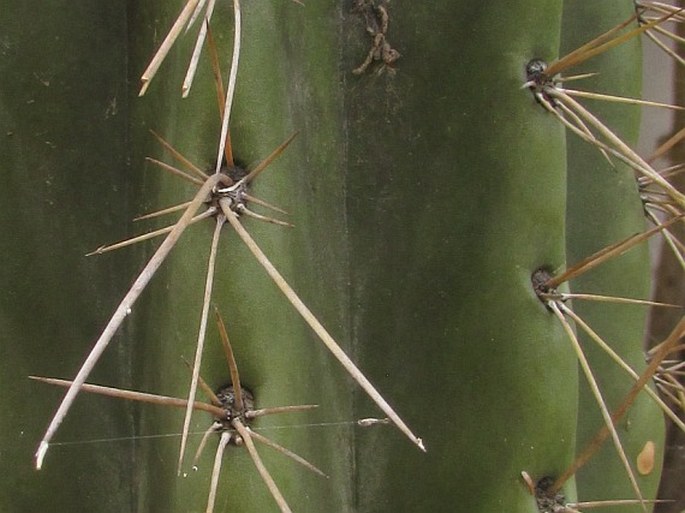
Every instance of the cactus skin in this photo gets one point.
(456, 195)
(280, 359)
(63, 117)
(604, 207)
(422, 202)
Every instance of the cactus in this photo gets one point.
(66, 186)
(598, 190)
(431, 208)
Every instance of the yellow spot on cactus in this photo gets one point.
(645, 460)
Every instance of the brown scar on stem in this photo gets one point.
(645, 460)
(377, 21)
